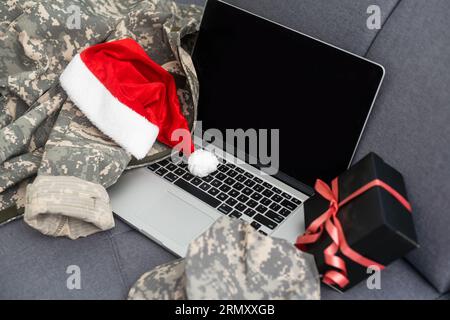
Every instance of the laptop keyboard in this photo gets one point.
(234, 192)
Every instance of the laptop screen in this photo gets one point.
(255, 74)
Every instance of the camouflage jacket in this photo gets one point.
(41, 131)
(233, 261)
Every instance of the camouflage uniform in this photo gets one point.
(232, 260)
(41, 131)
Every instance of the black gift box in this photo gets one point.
(375, 224)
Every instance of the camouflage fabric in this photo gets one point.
(67, 206)
(232, 260)
(68, 198)
(41, 131)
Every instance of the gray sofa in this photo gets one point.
(410, 128)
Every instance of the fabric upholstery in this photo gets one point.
(136, 254)
(399, 281)
(409, 126)
(34, 267)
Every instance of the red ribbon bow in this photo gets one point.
(330, 222)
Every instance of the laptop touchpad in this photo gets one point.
(179, 221)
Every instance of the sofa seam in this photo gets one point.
(115, 234)
(382, 27)
(116, 258)
(443, 296)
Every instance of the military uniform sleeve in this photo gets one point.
(69, 198)
(36, 46)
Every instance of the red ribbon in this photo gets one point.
(330, 222)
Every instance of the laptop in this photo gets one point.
(308, 102)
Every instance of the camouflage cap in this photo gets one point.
(231, 260)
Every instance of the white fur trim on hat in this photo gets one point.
(126, 127)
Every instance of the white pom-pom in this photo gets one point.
(201, 163)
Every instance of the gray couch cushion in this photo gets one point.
(399, 281)
(136, 255)
(34, 266)
(410, 124)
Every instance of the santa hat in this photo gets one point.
(133, 100)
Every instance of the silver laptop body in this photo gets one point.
(172, 217)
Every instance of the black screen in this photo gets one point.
(257, 74)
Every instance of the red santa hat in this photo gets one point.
(131, 99)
